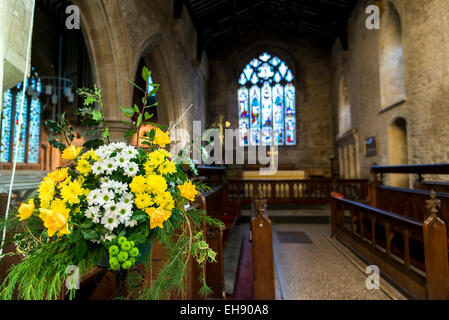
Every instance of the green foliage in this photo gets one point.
(91, 113)
(60, 131)
(141, 114)
(41, 274)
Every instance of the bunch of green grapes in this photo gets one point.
(123, 255)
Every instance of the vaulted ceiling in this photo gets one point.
(219, 22)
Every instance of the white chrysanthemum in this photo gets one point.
(116, 186)
(111, 207)
(110, 165)
(92, 212)
(130, 152)
(104, 180)
(110, 221)
(104, 151)
(107, 237)
(131, 223)
(132, 169)
(94, 197)
(98, 168)
(106, 196)
(124, 212)
(128, 198)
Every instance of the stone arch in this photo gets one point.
(151, 50)
(398, 150)
(108, 46)
(392, 85)
(344, 107)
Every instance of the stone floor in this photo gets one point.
(309, 265)
(320, 270)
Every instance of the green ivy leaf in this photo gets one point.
(54, 142)
(90, 234)
(53, 126)
(96, 115)
(86, 225)
(211, 254)
(106, 132)
(203, 245)
(129, 112)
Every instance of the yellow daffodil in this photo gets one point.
(188, 190)
(161, 138)
(26, 210)
(71, 152)
(83, 167)
(71, 192)
(56, 219)
(138, 185)
(157, 217)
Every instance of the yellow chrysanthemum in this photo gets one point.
(46, 192)
(138, 185)
(156, 183)
(59, 175)
(149, 169)
(161, 138)
(165, 200)
(83, 167)
(157, 217)
(143, 200)
(71, 192)
(168, 167)
(156, 158)
(90, 155)
(56, 219)
(26, 210)
(71, 152)
(188, 190)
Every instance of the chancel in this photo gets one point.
(318, 167)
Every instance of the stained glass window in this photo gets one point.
(25, 125)
(267, 110)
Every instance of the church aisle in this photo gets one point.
(310, 267)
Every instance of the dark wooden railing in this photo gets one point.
(314, 191)
(411, 253)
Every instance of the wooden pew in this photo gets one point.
(262, 252)
(412, 254)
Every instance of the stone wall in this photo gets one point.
(120, 33)
(425, 35)
(310, 64)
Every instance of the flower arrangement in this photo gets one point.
(109, 202)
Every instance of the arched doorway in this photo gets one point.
(398, 151)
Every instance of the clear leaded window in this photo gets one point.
(266, 98)
(29, 131)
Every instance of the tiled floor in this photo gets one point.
(317, 270)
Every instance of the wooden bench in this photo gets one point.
(411, 253)
(262, 252)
